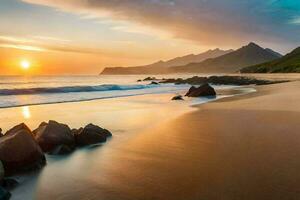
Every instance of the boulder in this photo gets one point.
(202, 91)
(17, 128)
(91, 134)
(154, 83)
(9, 184)
(178, 97)
(19, 151)
(192, 89)
(4, 194)
(149, 79)
(51, 135)
(61, 150)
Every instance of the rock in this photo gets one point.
(17, 128)
(149, 79)
(192, 89)
(4, 194)
(222, 80)
(19, 152)
(91, 134)
(1, 134)
(178, 97)
(203, 90)
(2, 172)
(61, 150)
(139, 80)
(154, 83)
(76, 131)
(53, 134)
(9, 184)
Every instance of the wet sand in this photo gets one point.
(244, 147)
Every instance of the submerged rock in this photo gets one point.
(203, 90)
(51, 135)
(178, 97)
(19, 151)
(91, 134)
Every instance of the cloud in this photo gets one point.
(48, 44)
(208, 22)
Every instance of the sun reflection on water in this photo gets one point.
(26, 112)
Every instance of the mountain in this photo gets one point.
(251, 54)
(162, 66)
(289, 63)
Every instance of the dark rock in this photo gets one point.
(61, 150)
(76, 131)
(154, 83)
(139, 80)
(149, 79)
(53, 134)
(9, 184)
(178, 97)
(192, 89)
(17, 128)
(2, 172)
(91, 134)
(222, 80)
(1, 134)
(203, 90)
(4, 194)
(19, 152)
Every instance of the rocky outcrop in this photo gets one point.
(154, 83)
(176, 98)
(222, 80)
(202, 91)
(91, 134)
(19, 151)
(51, 135)
(150, 79)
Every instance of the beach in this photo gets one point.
(241, 147)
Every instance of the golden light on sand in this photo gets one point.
(25, 64)
(26, 112)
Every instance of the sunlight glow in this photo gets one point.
(25, 64)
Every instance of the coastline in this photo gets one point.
(240, 147)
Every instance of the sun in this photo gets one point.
(25, 64)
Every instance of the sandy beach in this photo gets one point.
(241, 147)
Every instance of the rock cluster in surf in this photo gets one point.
(23, 150)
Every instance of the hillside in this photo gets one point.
(289, 63)
(251, 54)
(162, 66)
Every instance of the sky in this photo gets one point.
(83, 37)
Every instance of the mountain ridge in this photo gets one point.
(290, 63)
(162, 66)
(250, 54)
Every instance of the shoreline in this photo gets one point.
(217, 144)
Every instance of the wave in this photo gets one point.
(70, 89)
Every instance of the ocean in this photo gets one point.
(22, 91)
